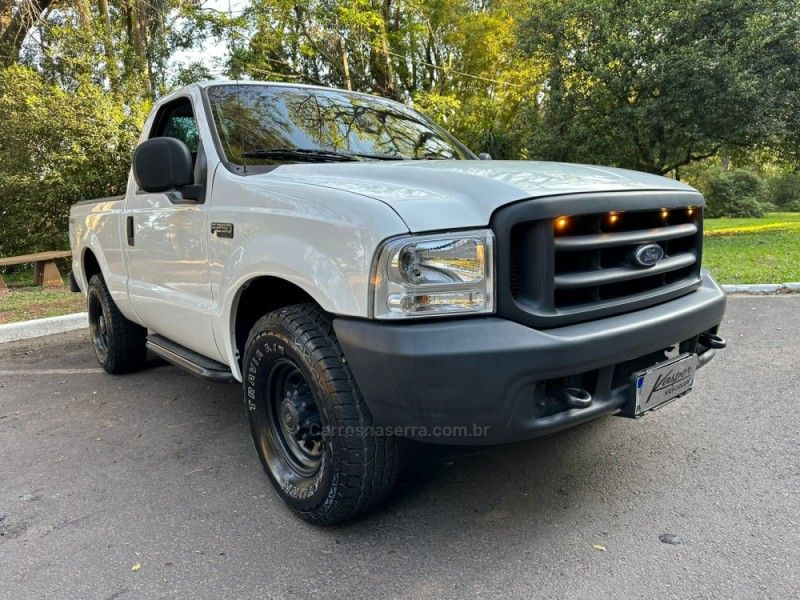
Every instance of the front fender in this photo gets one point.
(320, 240)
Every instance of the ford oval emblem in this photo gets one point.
(648, 255)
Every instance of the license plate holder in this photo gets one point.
(662, 383)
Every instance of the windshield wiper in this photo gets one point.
(379, 156)
(311, 154)
(315, 154)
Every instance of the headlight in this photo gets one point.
(430, 275)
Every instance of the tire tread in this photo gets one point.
(127, 350)
(368, 465)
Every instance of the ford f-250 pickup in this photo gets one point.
(366, 277)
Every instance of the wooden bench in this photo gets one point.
(45, 271)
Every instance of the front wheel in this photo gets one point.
(311, 428)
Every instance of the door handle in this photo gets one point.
(129, 230)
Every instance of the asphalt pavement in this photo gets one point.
(146, 486)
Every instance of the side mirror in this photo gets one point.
(162, 164)
(485, 156)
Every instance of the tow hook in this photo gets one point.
(574, 397)
(712, 340)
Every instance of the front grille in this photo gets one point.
(594, 258)
(584, 268)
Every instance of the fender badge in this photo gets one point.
(223, 230)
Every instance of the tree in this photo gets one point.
(16, 19)
(655, 85)
(57, 147)
(123, 45)
(453, 58)
(76, 82)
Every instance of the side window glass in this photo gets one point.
(176, 120)
(184, 129)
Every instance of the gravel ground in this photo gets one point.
(146, 486)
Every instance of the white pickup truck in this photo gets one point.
(366, 277)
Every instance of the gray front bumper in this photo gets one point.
(482, 380)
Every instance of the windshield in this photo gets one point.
(270, 124)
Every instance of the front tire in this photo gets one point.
(310, 425)
(119, 344)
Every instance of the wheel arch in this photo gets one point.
(90, 265)
(255, 298)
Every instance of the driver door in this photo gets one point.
(167, 246)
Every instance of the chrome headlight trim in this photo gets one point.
(429, 275)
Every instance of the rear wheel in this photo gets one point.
(311, 427)
(119, 344)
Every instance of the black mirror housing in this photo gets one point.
(161, 164)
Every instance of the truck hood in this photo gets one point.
(433, 194)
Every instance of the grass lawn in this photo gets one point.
(765, 250)
(23, 303)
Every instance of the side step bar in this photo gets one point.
(189, 360)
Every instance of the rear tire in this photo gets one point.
(119, 344)
(310, 424)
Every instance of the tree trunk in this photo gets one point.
(348, 84)
(387, 13)
(14, 27)
(105, 15)
(380, 59)
(108, 44)
(137, 33)
(725, 158)
(6, 12)
(84, 13)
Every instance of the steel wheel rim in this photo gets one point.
(98, 327)
(294, 418)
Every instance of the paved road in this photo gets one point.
(99, 473)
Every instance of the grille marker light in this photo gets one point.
(665, 214)
(613, 217)
(561, 223)
(690, 210)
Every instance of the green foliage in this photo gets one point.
(793, 206)
(73, 96)
(57, 147)
(784, 190)
(655, 84)
(735, 193)
(191, 73)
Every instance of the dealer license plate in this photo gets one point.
(664, 382)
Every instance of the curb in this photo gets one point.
(763, 288)
(24, 330)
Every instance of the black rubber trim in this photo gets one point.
(189, 360)
(482, 370)
(212, 129)
(73, 283)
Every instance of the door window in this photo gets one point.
(176, 120)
